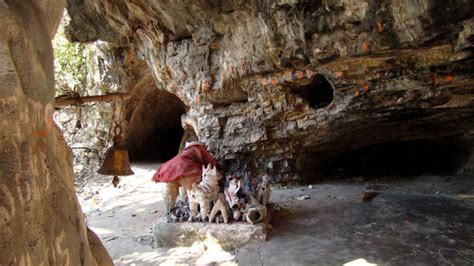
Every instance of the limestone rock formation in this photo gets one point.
(41, 221)
(283, 87)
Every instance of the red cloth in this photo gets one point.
(187, 163)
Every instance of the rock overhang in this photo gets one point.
(236, 66)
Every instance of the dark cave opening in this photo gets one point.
(319, 93)
(154, 129)
(398, 158)
(162, 145)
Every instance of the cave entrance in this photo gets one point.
(319, 93)
(154, 129)
(398, 158)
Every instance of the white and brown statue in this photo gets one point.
(203, 193)
(263, 191)
(219, 206)
(232, 198)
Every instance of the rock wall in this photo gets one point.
(41, 220)
(273, 86)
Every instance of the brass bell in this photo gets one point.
(116, 162)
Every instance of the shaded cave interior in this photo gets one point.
(409, 158)
(154, 129)
(155, 134)
(319, 93)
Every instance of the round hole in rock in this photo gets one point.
(397, 158)
(154, 129)
(319, 93)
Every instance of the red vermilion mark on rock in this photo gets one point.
(42, 133)
(365, 47)
(366, 88)
(206, 85)
(379, 25)
(287, 75)
(274, 81)
(339, 74)
(448, 78)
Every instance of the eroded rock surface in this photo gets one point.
(273, 86)
(41, 221)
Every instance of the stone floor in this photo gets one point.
(424, 221)
(398, 227)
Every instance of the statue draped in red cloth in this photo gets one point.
(183, 170)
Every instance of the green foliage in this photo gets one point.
(70, 64)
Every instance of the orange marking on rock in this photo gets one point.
(448, 78)
(274, 81)
(299, 74)
(366, 88)
(42, 133)
(357, 93)
(365, 47)
(339, 74)
(206, 85)
(379, 25)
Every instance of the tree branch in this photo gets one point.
(67, 101)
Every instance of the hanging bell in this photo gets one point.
(116, 162)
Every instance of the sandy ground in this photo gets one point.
(326, 224)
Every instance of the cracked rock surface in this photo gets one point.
(274, 86)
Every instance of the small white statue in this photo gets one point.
(210, 181)
(202, 194)
(263, 191)
(221, 206)
(232, 198)
(198, 198)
